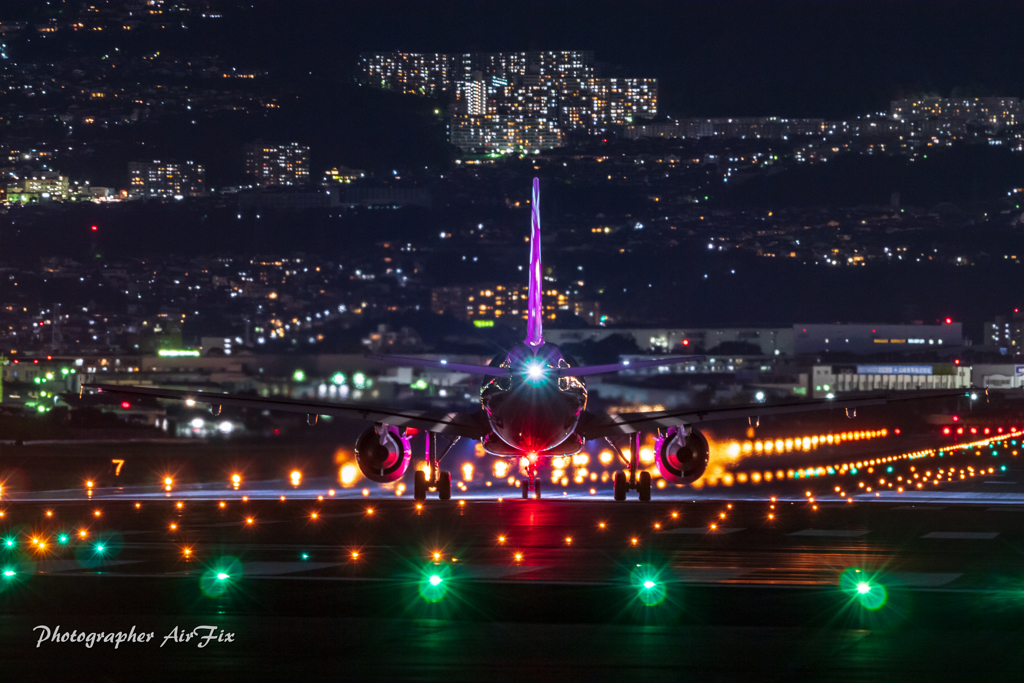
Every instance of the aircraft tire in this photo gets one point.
(444, 486)
(644, 486)
(419, 488)
(620, 486)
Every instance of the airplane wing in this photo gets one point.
(409, 362)
(594, 426)
(624, 365)
(406, 361)
(469, 425)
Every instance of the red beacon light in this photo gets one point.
(945, 430)
(126, 405)
(95, 228)
(949, 321)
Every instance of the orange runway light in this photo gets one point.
(437, 557)
(49, 513)
(313, 516)
(174, 527)
(245, 499)
(138, 506)
(249, 520)
(501, 539)
(282, 499)
(714, 526)
(181, 505)
(657, 525)
(330, 492)
(519, 557)
(355, 554)
(88, 484)
(187, 552)
(97, 513)
(83, 533)
(600, 525)
(568, 540)
(369, 511)
(223, 504)
(319, 497)
(675, 515)
(462, 502)
(419, 506)
(634, 541)
(770, 516)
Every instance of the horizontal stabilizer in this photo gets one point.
(625, 365)
(408, 362)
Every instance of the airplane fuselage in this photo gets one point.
(532, 411)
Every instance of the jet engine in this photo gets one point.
(383, 457)
(682, 458)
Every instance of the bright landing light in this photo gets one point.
(435, 580)
(535, 372)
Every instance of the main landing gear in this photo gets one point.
(639, 482)
(432, 479)
(532, 484)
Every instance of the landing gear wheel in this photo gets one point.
(644, 486)
(621, 486)
(444, 486)
(419, 487)
(526, 490)
(536, 489)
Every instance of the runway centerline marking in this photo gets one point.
(834, 533)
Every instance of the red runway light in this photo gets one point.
(95, 228)
(126, 405)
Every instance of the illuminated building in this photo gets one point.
(618, 101)
(503, 134)
(471, 96)
(758, 127)
(1006, 333)
(492, 302)
(997, 111)
(39, 186)
(829, 381)
(515, 101)
(277, 164)
(342, 174)
(409, 73)
(166, 179)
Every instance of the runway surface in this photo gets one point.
(788, 581)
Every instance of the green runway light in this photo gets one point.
(305, 556)
(8, 573)
(650, 590)
(9, 543)
(62, 539)
(99, 548)
(220, 576)
(864, 588)
(433, 586)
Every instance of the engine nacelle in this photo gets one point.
(383, 459)
(682, 458)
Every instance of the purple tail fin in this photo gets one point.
(535, 319)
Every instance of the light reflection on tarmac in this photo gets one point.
(1009, 493)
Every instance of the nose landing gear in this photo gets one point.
(433, 479)
(532, 484)
(640, 482)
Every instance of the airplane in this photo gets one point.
(533, 407)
